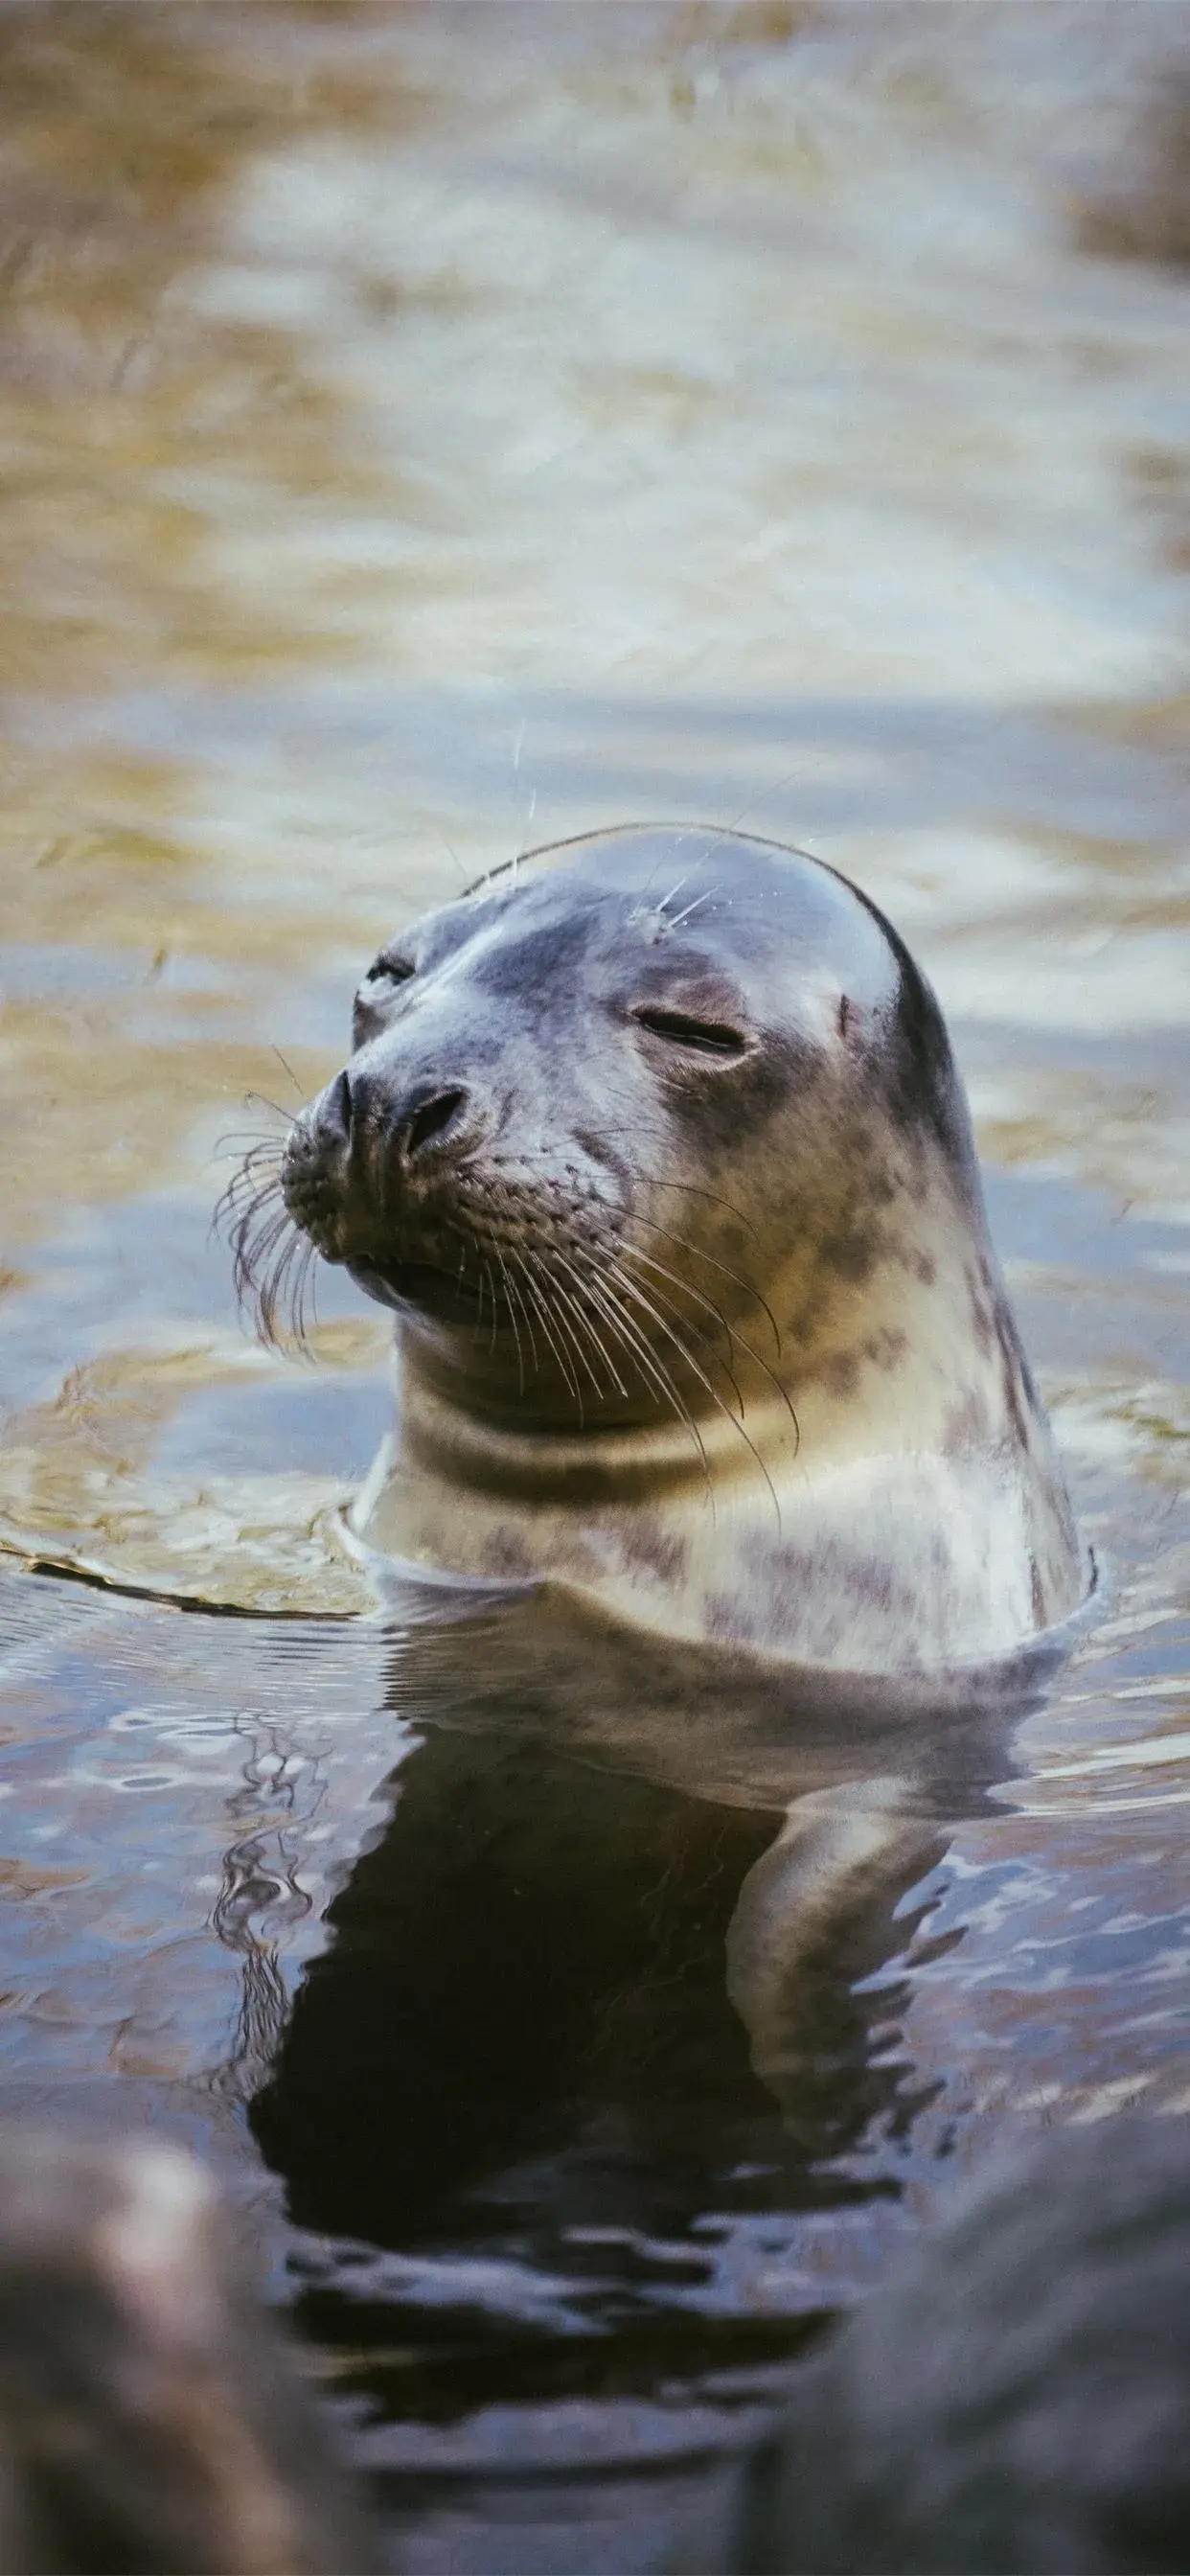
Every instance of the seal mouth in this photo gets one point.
(420, 1286)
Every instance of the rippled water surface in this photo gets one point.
(426, 432)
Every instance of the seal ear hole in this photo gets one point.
(702, 1037)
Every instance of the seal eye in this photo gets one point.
(383, 976)
(703, 1037)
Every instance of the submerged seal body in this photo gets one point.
(655, 1145)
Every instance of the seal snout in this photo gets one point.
(360, 1108)
(372, 1157)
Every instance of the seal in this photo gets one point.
(715, 1443)
(654, 1143)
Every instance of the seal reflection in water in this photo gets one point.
(655, 1146)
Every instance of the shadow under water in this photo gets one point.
(605, 1990)
(522, 2022)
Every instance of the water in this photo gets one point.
(424, 433)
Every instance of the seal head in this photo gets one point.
(655, 1145)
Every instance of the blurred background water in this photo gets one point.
(425, 432)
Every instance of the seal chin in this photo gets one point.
(384, 1285)
(413, 1287)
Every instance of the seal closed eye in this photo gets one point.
(655, 1146)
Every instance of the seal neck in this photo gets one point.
(444, 1437)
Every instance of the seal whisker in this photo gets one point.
(716, 1399)
(285, 1115)
(247, 1210)
(579, 1329)
(594, 1289)
(286, 1067)
(306, 1286)
(662, 1314)
(549, 1317)
(654, 1369)
(265, 1245)
(247, 1177)
(689, 1290)
(633, 1290)
(596, 1338)
(684, 1244)
(246, 1184)
(662, 909)
(303, 1298)
(289, 1284)
(275, 1295)
(632, 1252)
(253, 1139)
(565, 1312)
(691, 1189)
(675, 920)
(297, 1279)
(466, 1246)
(485, 1275)
(515, 1290)
(267, 1294)
(516, 1330)
(550, 1306)
(257, 1228)
(642, 904)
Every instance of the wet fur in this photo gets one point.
(726, 1347)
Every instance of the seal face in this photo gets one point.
(655, 1146)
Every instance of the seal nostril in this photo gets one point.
(339, 1103)
(432, 1121)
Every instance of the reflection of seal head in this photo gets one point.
(655, 1145)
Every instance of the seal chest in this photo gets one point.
(655, 1146)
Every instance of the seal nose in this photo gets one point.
(358, 1108)
(432, 1124)
(338, 1110)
